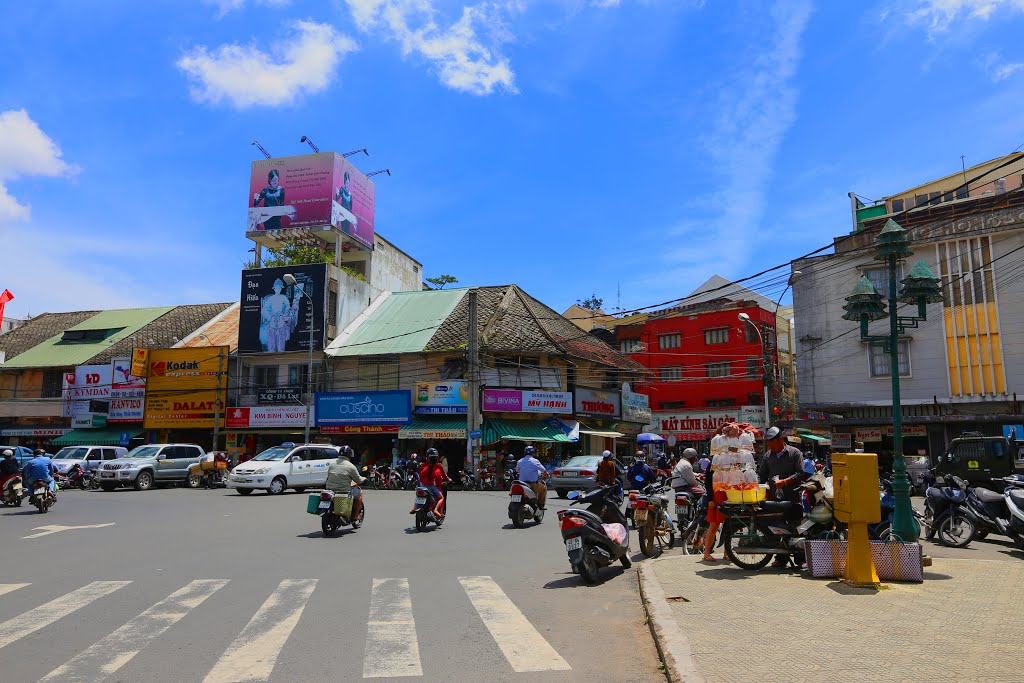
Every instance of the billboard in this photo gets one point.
(441, 398)
(363, 408)
(598, 403)
(635, 407)
(88, 393)
(311, 191)
(519, 401)
(266, 416)
(127, 392)
(275, 316)
(181, 390)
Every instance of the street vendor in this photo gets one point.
(782, 465)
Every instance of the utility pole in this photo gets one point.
(216, 403)
(473, 417)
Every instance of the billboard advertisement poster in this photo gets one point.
(518, 401)
(127, 392)
(441, 398)
(140, 357)
(266, 416)
(636, 407)
(276, 317)
(182, 387)
(89, 391)
(598, 403)
(311, 191)
(363, 408)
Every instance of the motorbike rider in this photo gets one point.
(342, 474)
(640, 468)
(9, 466)
(782, 466)
(432, 477)
(664, 462)
(607, 474)
(530, 471)
(683, 478)
(39, 468)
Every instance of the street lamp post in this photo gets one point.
(764, 367)
(864, 305)
(289, 279)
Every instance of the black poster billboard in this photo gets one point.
(276, 316)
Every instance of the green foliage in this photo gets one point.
(294, 255)
(354, 273)
(592, 303)
(442, 280)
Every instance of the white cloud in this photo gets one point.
(246, 76)
(466, 53)
(938, 15)
(25, 150)
(226, 6)
(999, 69)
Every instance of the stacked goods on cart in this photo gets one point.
(735, 472)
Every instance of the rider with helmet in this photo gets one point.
(39, 468)
(9, 465)
(342, 474)
(530, 471)
(432, 477)
(682, 474)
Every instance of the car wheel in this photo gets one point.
(193, 481)
(277, 486)
(144, 481)
(109, 488)
(244, 492)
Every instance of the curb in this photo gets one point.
(672, 644)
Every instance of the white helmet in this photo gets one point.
(606, 454)
(8, 452)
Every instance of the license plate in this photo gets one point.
(517, 499)
(569, 473)
(420, 502)
(574, 543)
(325, 504)
(106, 475)
(639, 516)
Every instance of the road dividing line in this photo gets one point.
(44, 615)
(6, 588)
(523, 646)
(106, 656)
(392, 650)
(253, 654)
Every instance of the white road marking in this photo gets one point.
(253, 654)
(392, 650)
(109, 654)
(6, 588)
(523, 646)
(55, 528)
(44, 615)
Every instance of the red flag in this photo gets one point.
(4, 298)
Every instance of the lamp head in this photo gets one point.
(744, 317)
(289, 279)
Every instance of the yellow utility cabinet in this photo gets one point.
(857, 503)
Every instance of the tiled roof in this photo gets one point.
(38, 329)
(179, 322)
(221, 332)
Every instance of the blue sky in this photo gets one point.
(569, 146)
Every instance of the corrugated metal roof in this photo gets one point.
(54, 353)
(403, 323)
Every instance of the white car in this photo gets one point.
(287, 466)
(89, 457)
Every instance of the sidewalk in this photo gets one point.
(720, 624)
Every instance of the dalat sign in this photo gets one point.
(182, 387)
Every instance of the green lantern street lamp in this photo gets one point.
(865, 305)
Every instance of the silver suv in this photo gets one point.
(154, 463)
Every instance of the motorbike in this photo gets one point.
(488, 482)
(335, 511)
(378, 476)
(687, 507)
(467, 482)
(947, 515)
(523, 505)
(999, 513)
(80, 477)
(650, 517)
(424, 506)
(595, 537)
(42, 497)
(12, 490)
(396, 479)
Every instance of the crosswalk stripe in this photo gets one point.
(6, 588)
(253, 654)
(109, 654)
(392, 650)
(523, 646)
(44, 615)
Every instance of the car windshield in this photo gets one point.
(144, 452)
(276, 453)
(71, 453)
(582, 461)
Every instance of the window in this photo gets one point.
(787, 376)
(753, 367)
(750, 333)
(1000, 185)
(53, 384)
(880, 278)
(897, 205)
(880, 363)
(630, 346)
(109, 454)
(453, 368)
(947, 196)
(672, 405)
(668, 341)
(934, 198)
(298, 375)
(717, 336)
(961, 192)
(920, 200)
(670, 374)
(717, 369)
(378, 374)
(264, 376)
(721, 402)
(332, 305)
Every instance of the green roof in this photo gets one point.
(403, 323)
(94, 437)
(520, 430)
(57, 353)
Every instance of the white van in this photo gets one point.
(89, 457)
(287, 466)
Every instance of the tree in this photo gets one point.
(442, 280)
(293, 255)
(591, 304)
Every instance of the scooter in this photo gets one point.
(467, 482)
(650, 517)
(999, 513)
(523, 505)
(42, 497)
(424, 508)
(80, 477)
(595, 537)
(687, 504)
(947, 515)
(335, 511)
(12, 490)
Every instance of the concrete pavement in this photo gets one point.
(211, 586)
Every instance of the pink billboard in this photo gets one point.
(311, 191)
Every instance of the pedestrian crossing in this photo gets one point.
(391, 648)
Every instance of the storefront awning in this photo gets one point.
(435, 427)
(815, 437)
(521, 430)
(94, 437)
(606, 433)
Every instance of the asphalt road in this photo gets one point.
(182, 585)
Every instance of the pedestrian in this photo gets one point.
(782, 467)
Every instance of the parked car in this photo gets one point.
(580, 472)
(288, 466)
(918, 467)
(89, 457)
(152, 464)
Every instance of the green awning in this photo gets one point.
(434, 427)
(521, 430)
(813, 437)
(94, 437)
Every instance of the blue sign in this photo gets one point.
(363, 408)
(1015, 432)
(125, 439)
(476, 434)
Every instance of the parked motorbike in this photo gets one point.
(335, 511)
(687, 505)
(42, 497)
(424, 505)
(467, 482)
(595, 537)
(999, 513)
(396, 479)
(650, 517)
(11, 490)
(947, 515)
(488, 482)
(81, 477)
(523, 505)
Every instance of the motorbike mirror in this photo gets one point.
(638, 479)
(365, 467)
(573, 495)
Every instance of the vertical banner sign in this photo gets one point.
(65, 394)
(127, 392)
(181, 389)
(276, 317)
(139, 359)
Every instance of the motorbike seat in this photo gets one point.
(616, 532)
(986, 496)
(777, 505)
(1017, 497)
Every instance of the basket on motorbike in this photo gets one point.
(195, 469)
(748, 495)
(313, 504)
(343, 505)
(210, 466)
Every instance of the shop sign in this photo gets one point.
(1013, 432)
(140, 362)
(279, 396)
(597, 403)
(89, 390)
(631, 428)
(842, 441)
(360, 429)
(441, 398)
(47, 431)
(696, 426)
(127, 392)
(636, 407)
(266, 416)
(88, 421)
(517, 401)
(753, 415)
(908, 430)
(435, 434)
(867, 434)
(363, 407)
(182, 387)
